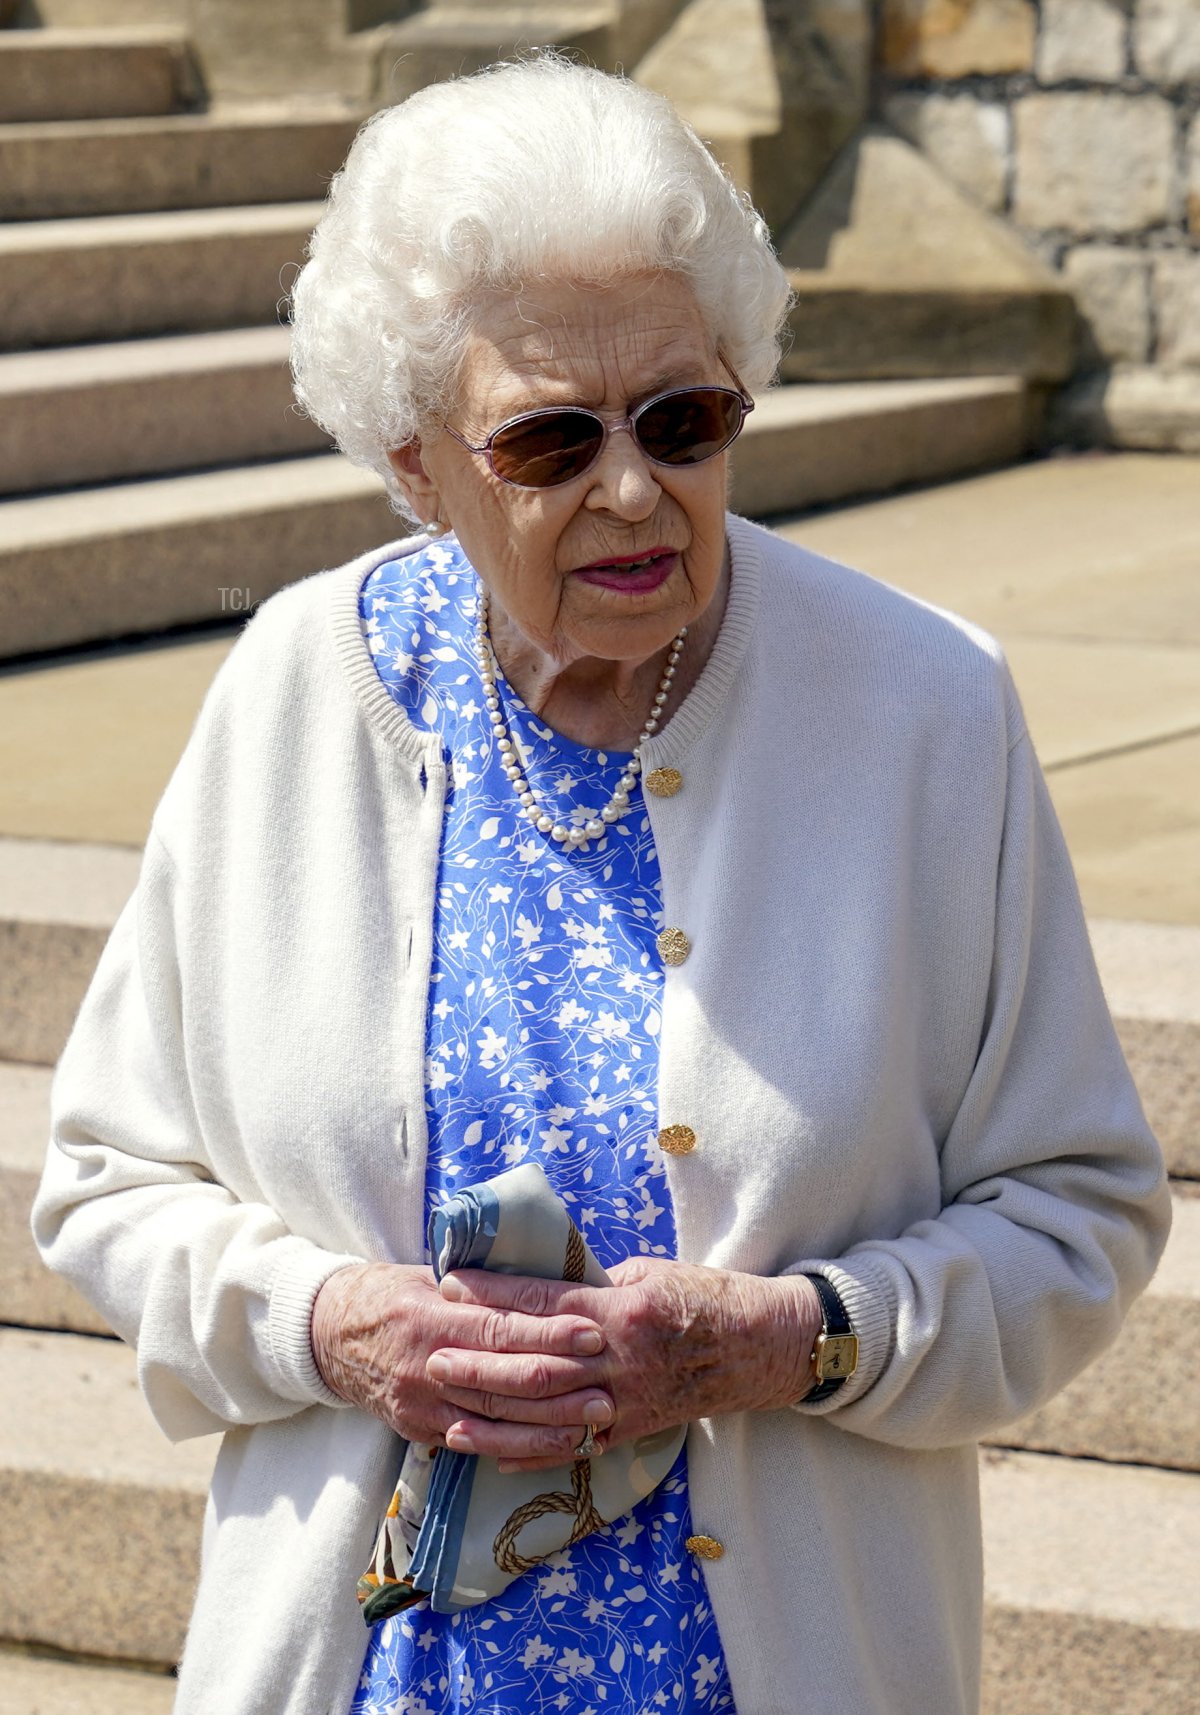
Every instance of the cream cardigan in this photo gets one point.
(889, 1038)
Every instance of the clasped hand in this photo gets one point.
(514, 1367)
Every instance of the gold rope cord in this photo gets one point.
(575, 1261)
(579, 1502)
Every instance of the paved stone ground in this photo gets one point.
(1086, 568)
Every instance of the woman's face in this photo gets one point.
(543, 552)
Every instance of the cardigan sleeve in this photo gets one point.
(214, 1292)
(1055, 1204)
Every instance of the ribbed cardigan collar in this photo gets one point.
(685, 727)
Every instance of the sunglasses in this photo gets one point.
(685, 426)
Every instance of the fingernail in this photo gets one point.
(505, 1466)
(459, 1441)
(597, 1412)
(587, 1342)
(438, 1367)
(452, 1288)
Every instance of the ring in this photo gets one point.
(587, 1446)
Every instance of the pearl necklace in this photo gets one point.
(574, 837)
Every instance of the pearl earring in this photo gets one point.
(435, 527)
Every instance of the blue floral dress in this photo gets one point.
(542, 1045)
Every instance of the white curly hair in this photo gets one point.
(539, 169)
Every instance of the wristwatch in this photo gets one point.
(835, 1354)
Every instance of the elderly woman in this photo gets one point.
(595, 827)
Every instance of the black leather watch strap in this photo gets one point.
(836, 1323)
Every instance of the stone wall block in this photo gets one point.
(1177, 301)
(1166, 40)
(968, 139)
(1094, 164)
(1131, 405)
(957, 38)
(1082, 38)
(1112, 290)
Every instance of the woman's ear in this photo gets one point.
(418, 486)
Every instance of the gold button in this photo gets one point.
(677, 1139)
(664, 782)
(673, 946)
(705, 1547)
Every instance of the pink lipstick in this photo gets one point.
(635, 573)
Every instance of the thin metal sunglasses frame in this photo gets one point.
(484, 449)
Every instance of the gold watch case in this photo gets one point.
(836, 1356)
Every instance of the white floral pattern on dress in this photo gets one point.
(542, 1043)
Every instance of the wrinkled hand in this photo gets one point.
(378, 1330)
(680, 1342)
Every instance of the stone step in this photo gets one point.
(152, 548)
(1151, 977)
(1090, 1579)
(99, 14)
(77, 1444)
(85, 414)
(612, 31)
(870, 330)
(1114, 1410)
(453, 38)
(66, 282)
(93, 74)
(145, 556)
(58, 903)
(32, 1684)
(30, 1295)
(1085, 1562)
(821, 443)
(268, 154)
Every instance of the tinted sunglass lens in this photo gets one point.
(690, 426)
(541, 452)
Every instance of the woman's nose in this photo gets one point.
(623, 479)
